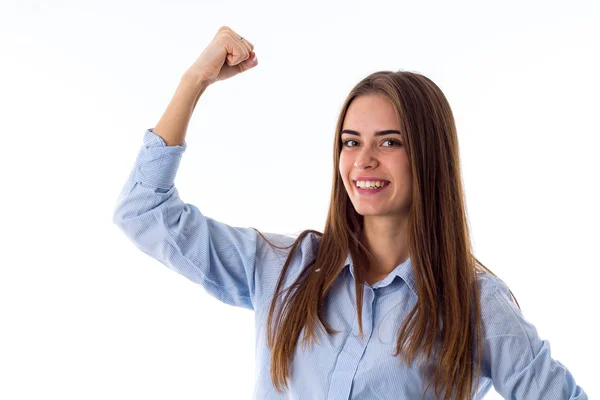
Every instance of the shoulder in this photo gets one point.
(490, 285)
(500, 314)
(272, 256)
(282, 243)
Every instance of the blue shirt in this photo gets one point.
(236, 266)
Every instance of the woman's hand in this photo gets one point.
(225, 56)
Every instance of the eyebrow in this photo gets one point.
(378, 133)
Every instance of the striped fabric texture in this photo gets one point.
(238, 267)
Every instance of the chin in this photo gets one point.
(364, 212)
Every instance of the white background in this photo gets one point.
(85, 315)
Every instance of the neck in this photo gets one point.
(386, 239)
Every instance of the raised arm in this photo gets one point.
(233, 264)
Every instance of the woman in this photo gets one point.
(388, 301)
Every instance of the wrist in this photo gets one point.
(195, 81)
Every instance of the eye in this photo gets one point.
(345, 142)
(397, 143)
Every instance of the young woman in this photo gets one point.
(389, 301)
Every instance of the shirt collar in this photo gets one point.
(404, 270)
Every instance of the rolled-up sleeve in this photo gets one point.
(514, 357)
(221, 258)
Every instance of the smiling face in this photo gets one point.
(365, 153)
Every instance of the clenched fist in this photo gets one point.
(225, 56)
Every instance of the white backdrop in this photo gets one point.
(85, 315)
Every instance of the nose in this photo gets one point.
(365, 159)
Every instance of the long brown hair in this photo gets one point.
(438, 241)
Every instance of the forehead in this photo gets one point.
(371, 112)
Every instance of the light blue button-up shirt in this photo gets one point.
(236, 266)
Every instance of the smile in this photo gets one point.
(369, 191)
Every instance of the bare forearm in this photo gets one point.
(173, 124)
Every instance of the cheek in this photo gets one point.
(344, 173)
(344, 167)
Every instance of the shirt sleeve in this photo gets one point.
(234, 264)
(514, 357)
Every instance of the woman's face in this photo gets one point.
(382, 157)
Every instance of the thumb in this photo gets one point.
(251, 62)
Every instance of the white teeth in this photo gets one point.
(370, 184)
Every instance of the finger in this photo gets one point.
(248, 44)
(236, 49)
(244, 42)
(251, 62)
(237, 36)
